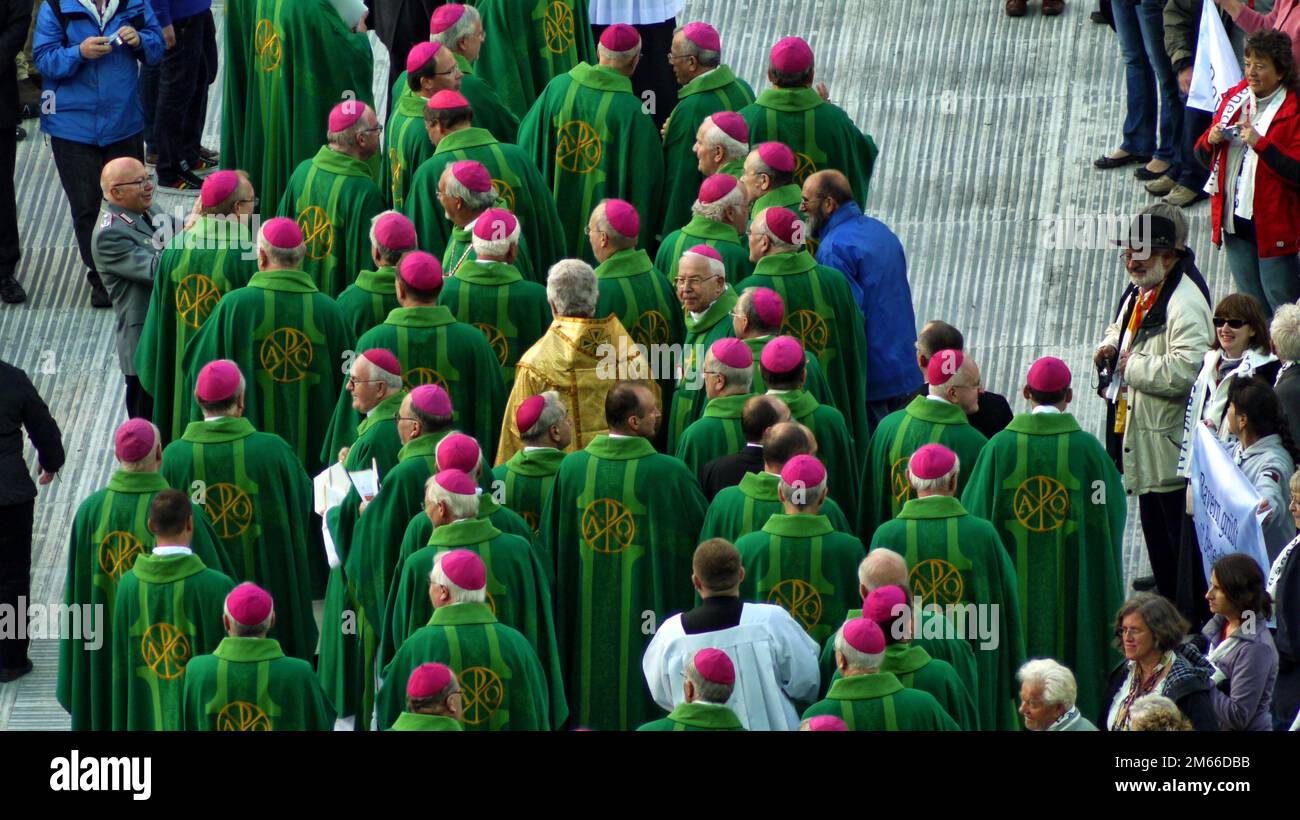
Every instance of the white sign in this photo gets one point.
(1215, 69)
(1224, 505)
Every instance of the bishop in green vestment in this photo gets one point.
(489, 293)
(758, 319)
(544, 427)
(333, 198)
(433, 701)
(797, 560)
(868, 698)
(717, 219)
(503, 683)
(1057, 501)
(940, 417)
(631, 287)
(707, 87)
(820, 312)
(430, 69)
(958, 563)
(519, 187)
(248, 684)
(373, 294)
(622, 522)
(459, 28)
(590, 138)
(529, 43)
(287, 337)
(768, 177)
(258, 498)
(821, 134)
(277, 91)
(375, 384)
(434, 348)
(709, 679)
(198, 267)
(707, 304)
(728, 371)
(168, 610)
(110, 530)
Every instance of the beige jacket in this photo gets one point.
(1167, 352)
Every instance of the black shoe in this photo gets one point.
(99, 297)
(13, 674)
(11, 291)
(185, 181)
(209, 155)
(1147, 583)
(1147, 175)
(1098, 18)
(1106, 163)
(20, 133)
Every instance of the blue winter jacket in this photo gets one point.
(96, 102)
(871, 258)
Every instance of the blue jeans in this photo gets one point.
(1152, 86)
(1273, 282)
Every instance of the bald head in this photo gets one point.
(783, 442)
(962, 387)
(831, 184)
(125, 183)
(759, 414)
(882, 568)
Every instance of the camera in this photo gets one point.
(1105, 372)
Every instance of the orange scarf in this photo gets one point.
(1141, 305)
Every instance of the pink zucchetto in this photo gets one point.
(444, 17)
(431, 399)
(345, 115)
(494, 224)
(703, 35)
(622, 217)
(864, 635)
(1048, 375)
(455, 481)
(777, 156)
(943, 365)
(383, 359)
(473, 175)
(447, 100)
(792, 55)
(705, 251)
(733, 353)
(769, 306)
(421, 271)
(784, 224)
(932, 461)
(458, 452)
(803, 471)
(530, 410)
(464, 569)
(134, 440)
(249, 604)
(827, 723)
(282, 232)
(218, 187)
(217, 381)
(881, 603)
(782, 355)
(420, 55)
(395, 232)
(732, 124)
(716, 186)
(427, 680)
(715, 667)
(620, 37)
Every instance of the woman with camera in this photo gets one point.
(1241, 647)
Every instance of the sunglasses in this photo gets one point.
(1235, 324)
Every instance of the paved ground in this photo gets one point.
(987, 127)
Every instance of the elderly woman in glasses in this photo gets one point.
(1149, 630)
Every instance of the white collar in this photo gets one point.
(165, 550)
(530, 449)
(933, 397)
(612, 434)
(213, 418)
(1044, 408)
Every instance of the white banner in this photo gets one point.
(1215, 69)
(1224, 505)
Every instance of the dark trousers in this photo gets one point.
(10, 253)
(79, 165)
(15, 575)
(1191, 173)
(1190, 596)
(139, 404)
(877, 410)
(1162, 525)
(654, 73)
(187, 69)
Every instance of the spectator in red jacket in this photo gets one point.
(1253, 151)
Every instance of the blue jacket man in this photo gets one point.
(89, 57)
(872, 259)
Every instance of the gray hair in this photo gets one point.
(739, 379)
(347, 138)
(552, 411)
(1059, 688)
(146, 464)
(571, 286)
(732, 147)
(811, 494)
(706, 57)
(706, 690)
(883, 568)
(389, 256)
(1175, 215)
(618, 57)
(1285, 331)
(778, 243)
(393, 381)
(853, 659)
(460, 506)
(495, 248)
(458, 595)
(245, 630)
(283, 257)
(463, 27)
(745, 304)
(476, 201)
(717, 210)
(933, 485)
(618, 240)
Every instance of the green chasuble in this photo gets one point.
(696, 717)
(1040, 482)
(622, 521)
(289, 341)
(333, 198)
(460, 249)
(406, 142)
(249, 685)
(689, 396)
(412, 722)
(198, 267)
(885, 483)
(956, 652)
(518, 593)
(880, 703)
(715, 435)
(957, 559)
(915, 669)
(814, 380)
(278, 92)
(592, 141)
(835, 446)
(168, 610)
(801, 563)
(502, 683)
(434, 348)
(704, 231)
(520, 187)
(109, 531)
(259, 500)
(821, 135)
(420, 529)
(745, 508)
(527, 478)
(704, 96)
(369, 299)
(530, 42)
(493, 297)
(821, 313)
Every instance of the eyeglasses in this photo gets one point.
(686, 281)
(377, 128)
(451, 70)
(149, 179)
(1235, 324)
(407, 418)
(1129, 632)
(805, 202)
(255, 201)
(590, 230)
(352, 380)
(672, 58)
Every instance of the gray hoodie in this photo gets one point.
(1268, 466)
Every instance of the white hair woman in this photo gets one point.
(1047, 693)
